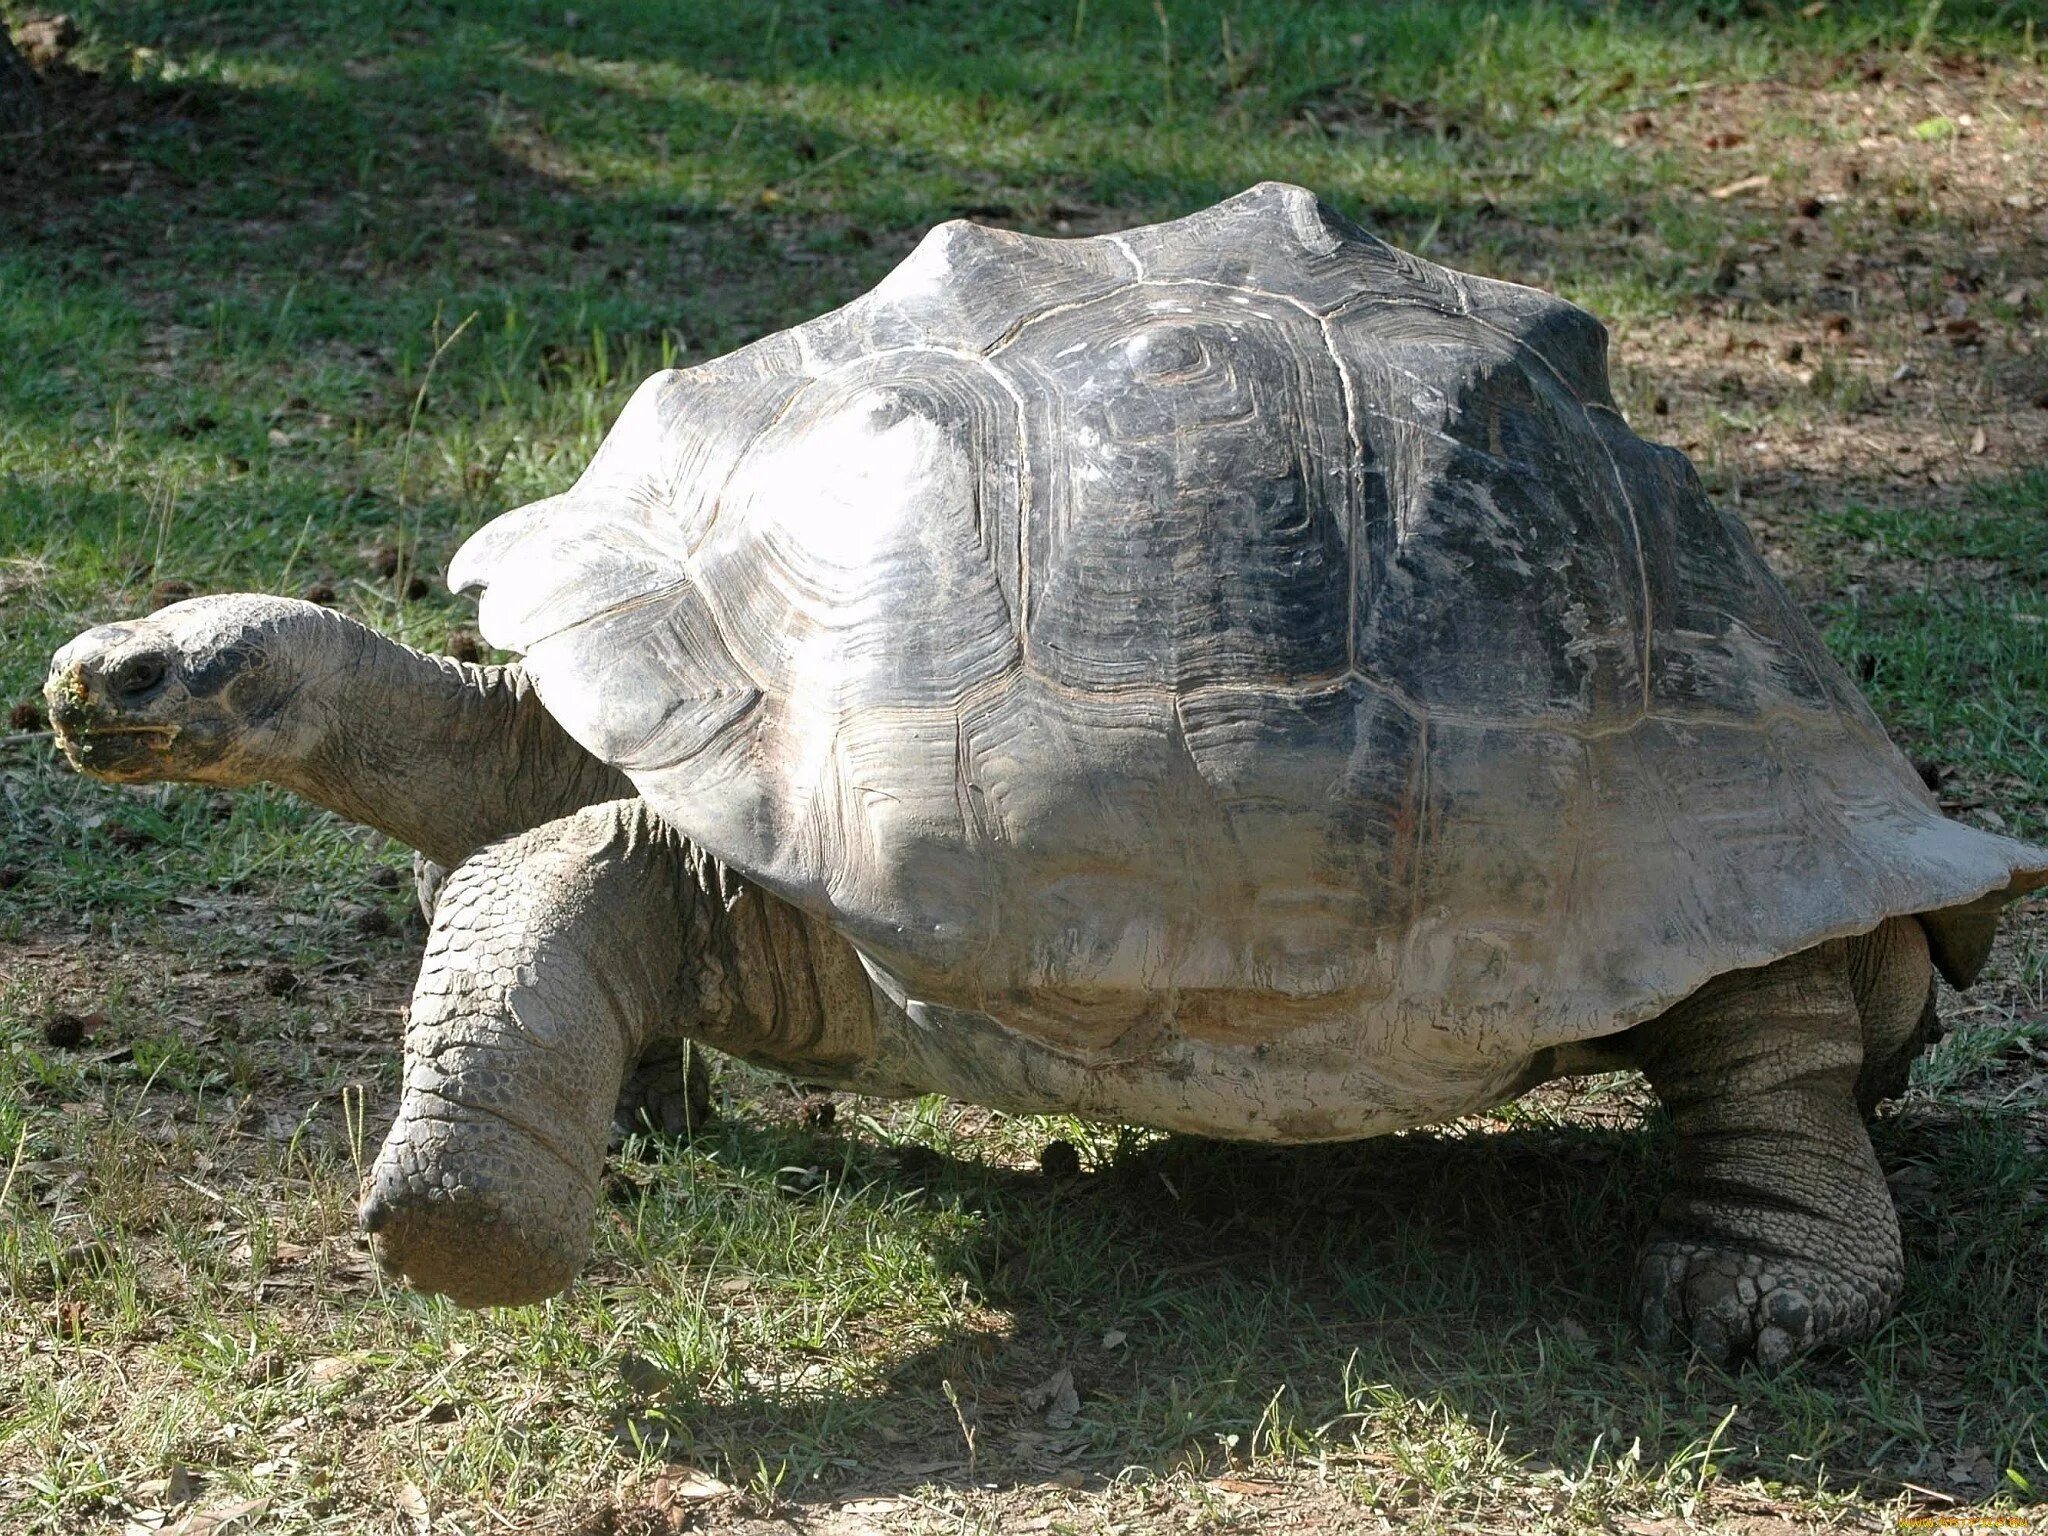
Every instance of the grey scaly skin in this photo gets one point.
(556, 957)
(443, 755)
(669, 1089)
(1779, 1234)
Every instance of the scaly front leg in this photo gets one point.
(555, 957)
(668, 1090)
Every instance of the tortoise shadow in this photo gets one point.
(1212, 1299)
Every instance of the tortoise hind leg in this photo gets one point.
(1778, 1234)
(668, 1092)
(1892, 976)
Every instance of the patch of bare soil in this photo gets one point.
(68, 120)
(283, 1035)
(1874, 326)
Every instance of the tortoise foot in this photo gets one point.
(668, 1093)
(1735, 1307)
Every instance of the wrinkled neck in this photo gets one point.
(442, 755)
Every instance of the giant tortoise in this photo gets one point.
(1229, 676)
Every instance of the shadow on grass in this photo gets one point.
(728, 172)
(1397, 1305)
(323, 190)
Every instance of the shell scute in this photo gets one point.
(1177, 540)
(964, 288)
(1500, 574)
(1284, 242)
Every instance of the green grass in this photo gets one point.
(1956, 658)
(282, 285)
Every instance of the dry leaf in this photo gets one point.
(413, 1505)
(1246, 1485)
(329, 1369)
(1057, 1397)
(690, 1484)
(220, 1520)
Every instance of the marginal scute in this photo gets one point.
(964, 289)
(1568, 340)
(1129, 642)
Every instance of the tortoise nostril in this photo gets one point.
(137, 675)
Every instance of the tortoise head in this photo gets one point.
(209, 691)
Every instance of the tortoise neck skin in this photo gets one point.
(443, 755)
(241, 688)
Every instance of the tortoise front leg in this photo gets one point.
(555, 956)
(668, 1090)
(1778, 1233)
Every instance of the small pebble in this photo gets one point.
(818, 1114)
(1059, 1160)
(66, 1031)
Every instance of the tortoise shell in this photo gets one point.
(1166, 634)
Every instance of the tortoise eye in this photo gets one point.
(137, 675)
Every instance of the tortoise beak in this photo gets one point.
(99, 692)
